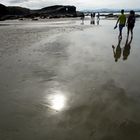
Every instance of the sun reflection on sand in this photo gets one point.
(56, 100)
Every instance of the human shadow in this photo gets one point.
(127, 48)
(117, 51)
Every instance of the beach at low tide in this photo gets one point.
(59, 81)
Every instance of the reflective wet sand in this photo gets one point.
(61, 81)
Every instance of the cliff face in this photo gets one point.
(49, 12)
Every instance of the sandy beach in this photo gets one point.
(59, 81)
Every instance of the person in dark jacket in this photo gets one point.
(131, 23)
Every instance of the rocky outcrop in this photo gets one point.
(3, 10)
(59, 9)
(13, 10)
(55, 11)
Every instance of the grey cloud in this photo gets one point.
(18, 1)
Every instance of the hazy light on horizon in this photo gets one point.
(80, 4)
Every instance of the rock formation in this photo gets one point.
(55, 11)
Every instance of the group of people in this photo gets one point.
(93, 18)
(122, 21)
(130, 23)
(93, 15)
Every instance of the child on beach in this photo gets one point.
(131, 23)
(121, 20)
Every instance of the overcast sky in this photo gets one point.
(80, 4)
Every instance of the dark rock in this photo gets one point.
(56, 11)
(3, 10)
(18, 10)
(34, 19)
(79, 14)
(12, 12)
(59, 9)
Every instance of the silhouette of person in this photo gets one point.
(131, 22)
(118, 51)
(98, 18)
(82, 18)
(127, 47)
(92, 18)
(94, 15)
(122, 21)
(91, 15)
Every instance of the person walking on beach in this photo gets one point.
(94, 15)
(92, 18)
(122, 21)
(131, 23)
(91, 15)
(82, 18)
(98, 18)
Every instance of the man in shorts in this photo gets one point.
(122, 21)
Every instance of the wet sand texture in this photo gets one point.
(59, 81)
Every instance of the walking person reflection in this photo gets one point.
(117, 52)
(127, 47)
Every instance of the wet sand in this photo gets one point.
(59, 81)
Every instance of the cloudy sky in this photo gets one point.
(80, 4)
